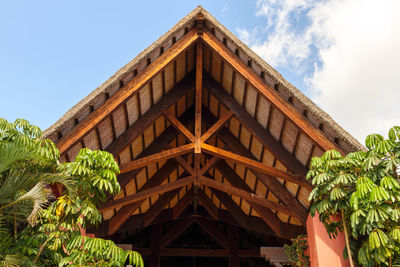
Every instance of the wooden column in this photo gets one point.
(155, 245)
(197, 124)
(233, 236)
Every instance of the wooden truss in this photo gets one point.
(197, 144)
(198, 126)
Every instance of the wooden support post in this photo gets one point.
(197, 117)
(155, 238)
(233, 236)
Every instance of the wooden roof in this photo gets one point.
(197, 119)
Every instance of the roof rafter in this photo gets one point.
(279, 190)
(284, 156)
(159, 205)
(213, 231)
(161, 142)
(125, 212)
(147, 119)
(182, 204)
(234, 179)
(175, 231)
(128, 90)
(255, 81)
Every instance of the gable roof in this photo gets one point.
(315, 115)
(261, 132)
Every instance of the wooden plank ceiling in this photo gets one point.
(197, 126)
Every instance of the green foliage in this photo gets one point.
(296, 252)
(365, 186)
(36, 227)
(98, 252)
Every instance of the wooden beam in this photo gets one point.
(250, 197)
(147, 119)
(213, 231)
(233, 236)
(179, 126)
(175, 231)
(166, 154)
(185, 165)
(211, 162)
(200, 252)
(236, 181)
(158, 144)
(266, 91)
(253, 164)
(147, 193)
(198, 96)
(270, 182)
(266, 138)
(156, 232)
(208, 204)
(132, 87)
(158, 206)
(182, 204)
(136, 222)
(125, 212)
(218, 125)
(233, 208)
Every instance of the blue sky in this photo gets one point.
(54, 53)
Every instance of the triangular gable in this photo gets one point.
(240, 136)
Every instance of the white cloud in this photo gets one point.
(357, 48)
(225, 8)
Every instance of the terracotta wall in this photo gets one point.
(324, 252)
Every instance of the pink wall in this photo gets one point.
(324, 252)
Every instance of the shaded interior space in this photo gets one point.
(195, 239)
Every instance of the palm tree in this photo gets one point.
(28, 165)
